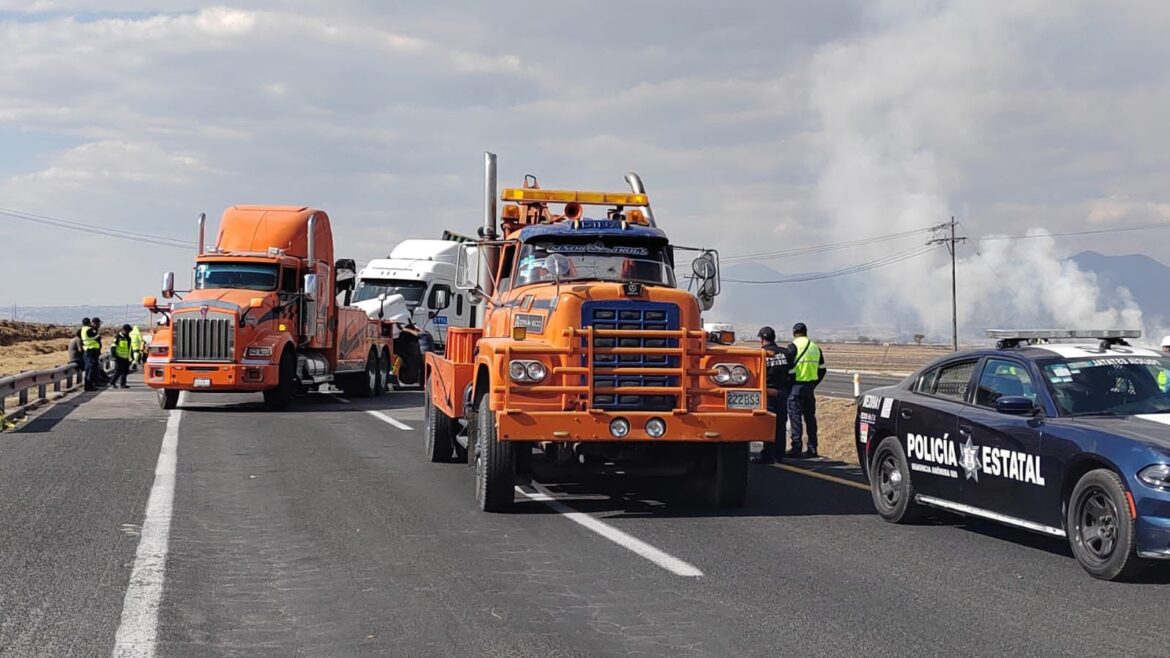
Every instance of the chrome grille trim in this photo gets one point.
(204, 339)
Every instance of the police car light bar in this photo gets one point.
(1035, 334)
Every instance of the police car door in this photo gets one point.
(1000, 452)
(927, 423)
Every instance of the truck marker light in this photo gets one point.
(282, 327)
(519, 333)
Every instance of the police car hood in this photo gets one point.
(1153, 429)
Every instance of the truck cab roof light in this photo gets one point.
(573, 196)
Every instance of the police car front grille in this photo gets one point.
(204, 339)
(632, 315)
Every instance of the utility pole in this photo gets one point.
(951, 241)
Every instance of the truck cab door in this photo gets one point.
(927, 422)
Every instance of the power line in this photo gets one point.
(94, 229)
(823, 248)
(1124, 229)
(844, 271)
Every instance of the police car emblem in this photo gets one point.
(970, 461)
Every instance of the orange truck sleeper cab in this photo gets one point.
(268, 313)
(589, 350)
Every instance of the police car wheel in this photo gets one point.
(890, 485)
(1101, 531)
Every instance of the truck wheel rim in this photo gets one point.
(889, 480)
(1097, 524)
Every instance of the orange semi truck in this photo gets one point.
(590, 352)
(268, 313)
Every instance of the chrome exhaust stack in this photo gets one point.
(636, 186)
(488, 256)
(202, 233)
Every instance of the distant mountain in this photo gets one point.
(124, 314)
(1145, 277)
(833, 305)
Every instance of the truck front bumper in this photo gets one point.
(702, 427)
(220, 377)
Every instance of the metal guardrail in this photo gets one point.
(20, 385)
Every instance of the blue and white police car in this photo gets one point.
(1065, 433)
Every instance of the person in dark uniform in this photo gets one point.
(779, 383)
(808, 370)
(121, 351)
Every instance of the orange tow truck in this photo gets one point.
(269, 312)
(589, 353)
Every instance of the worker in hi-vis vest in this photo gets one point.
(1164, 375)
(808, 369)
(91, 344)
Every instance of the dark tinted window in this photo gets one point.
(954, 380)
(925, 383)
(1001, 377)
(288, 279)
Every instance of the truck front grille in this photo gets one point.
(204, 339)
(632, 315)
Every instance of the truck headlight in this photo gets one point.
(529, 372)
(730, 374)
(1157, 476)
(257, 350)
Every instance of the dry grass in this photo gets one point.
(881, 358)
(835, 420)
(36, 355)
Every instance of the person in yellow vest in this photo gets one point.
(135, 346)
(91, 345)
(1164, 375)
(120, 350)
(808, 369)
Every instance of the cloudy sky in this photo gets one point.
(757, 126)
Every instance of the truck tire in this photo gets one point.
(168, 398)
(1101, 531)
(440, 443)
(363, 384)
(729, 476)
(384, 366)
(890, 485)
(494, 462)
(278, 399)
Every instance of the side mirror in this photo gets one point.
(311, 287)
(557, 265)
(706, 294)
(440, 298)
(381, 305)
(1016, 405)
(168, 285)
(704, 267)
(462, 272)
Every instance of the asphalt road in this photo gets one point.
(322, 531)
(840, 384)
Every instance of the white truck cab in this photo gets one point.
(407, 277)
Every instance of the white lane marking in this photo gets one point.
(629, 542)
(138, 630)
(383, 417)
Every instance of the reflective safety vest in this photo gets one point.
(122, 346)
(1164, 381)
(808, 360)
(136, 339)
(89, 339)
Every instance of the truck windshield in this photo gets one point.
(1110, 385)
(412, 291)
(249, 276)
(596, 261)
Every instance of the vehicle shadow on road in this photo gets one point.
(771, 492)
(312, 403)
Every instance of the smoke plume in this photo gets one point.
(898, 105)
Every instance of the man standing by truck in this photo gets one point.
(779, 388)
(808, 369)
(91, 343)
(121, 353)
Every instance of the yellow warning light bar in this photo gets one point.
(569, 196)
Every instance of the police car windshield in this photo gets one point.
(248, 276)
(412, 291)
(1110, 385)
(596, 260)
